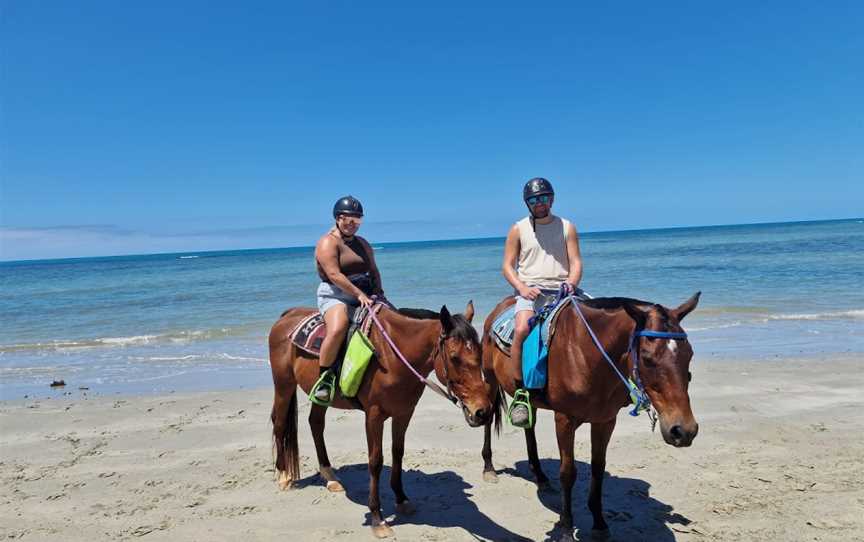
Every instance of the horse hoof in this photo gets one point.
(333, 483)
(382, 530)
(490, 476)
(335, 486)
(405, 508)
(285, 483)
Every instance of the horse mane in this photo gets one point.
(614, 303)
(418, 314)
(462, 328)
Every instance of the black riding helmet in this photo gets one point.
(349, 205)
(537, 187)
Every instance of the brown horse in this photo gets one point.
(440, 341)
(583, 388)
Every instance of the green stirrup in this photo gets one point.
(328, 378)
(521, 397)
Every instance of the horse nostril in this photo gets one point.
(676, 432)
(480, 414)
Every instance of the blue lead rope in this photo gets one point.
(637, 395)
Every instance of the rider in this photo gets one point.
(349, 278)
(541, 253)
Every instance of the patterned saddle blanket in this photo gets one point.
(502, 327)
(309, 333)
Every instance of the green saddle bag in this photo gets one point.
(357, 356)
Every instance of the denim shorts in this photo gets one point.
(525, 304)
(330, 295)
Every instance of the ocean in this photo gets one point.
(199, 321)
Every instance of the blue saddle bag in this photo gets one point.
(534, 357)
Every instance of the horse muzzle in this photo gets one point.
(680, 435)
(476, 417)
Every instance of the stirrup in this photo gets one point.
(521, 397)
(328, 378)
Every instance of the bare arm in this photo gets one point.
(574, 257)
(508, 267)
(377, 285)
(327, 256)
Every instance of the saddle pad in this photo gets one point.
(310, 332)
(502, 327)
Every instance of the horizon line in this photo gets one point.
(392, 243)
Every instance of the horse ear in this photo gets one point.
(469, 311)
(446, 320)
(636, 313)
(687, 306)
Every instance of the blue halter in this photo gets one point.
(634, 386)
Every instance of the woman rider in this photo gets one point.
(349, 277)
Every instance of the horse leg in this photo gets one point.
(600, 435)
(284, 418)
(374, 440)
(565, 428)
(489, 473)
(534, 459)
(400, 426)
(316, 424)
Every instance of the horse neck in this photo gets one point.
(416, 339)
(613, 328)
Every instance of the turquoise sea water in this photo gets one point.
(199, 321)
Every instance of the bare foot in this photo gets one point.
(490, 476)
(405, 508)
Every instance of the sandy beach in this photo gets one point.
(779, 456)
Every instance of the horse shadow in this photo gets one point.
(442, 500)
(628, 507)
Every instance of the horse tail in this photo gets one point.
(498, 404)
(285, 438)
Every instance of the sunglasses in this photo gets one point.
(356, 218)
(534, 200)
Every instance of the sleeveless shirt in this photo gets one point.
(543, 258)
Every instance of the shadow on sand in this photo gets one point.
(629, 509)
(442, 500)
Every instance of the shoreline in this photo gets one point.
(778, 457)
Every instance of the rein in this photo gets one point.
(634, 386)
(447, 394)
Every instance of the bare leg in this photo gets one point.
(316, 424)
(400, 426)
(600, 435)
(336, 319)
(374, 437)
(565, 428)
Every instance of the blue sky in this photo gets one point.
(169, 126)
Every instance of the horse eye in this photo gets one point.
(689, 376)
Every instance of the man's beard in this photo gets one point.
(539, 215)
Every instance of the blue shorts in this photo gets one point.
(330, 295)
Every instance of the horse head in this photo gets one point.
(459, 365)
(663, 366)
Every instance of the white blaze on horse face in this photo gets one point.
(672, 346)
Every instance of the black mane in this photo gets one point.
(462, 328)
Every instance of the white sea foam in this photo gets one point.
(838, 315)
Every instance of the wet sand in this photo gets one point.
(779, 456)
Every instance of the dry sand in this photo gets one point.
(779, 456)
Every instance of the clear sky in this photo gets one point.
(130, 127)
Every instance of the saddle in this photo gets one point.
(504, 324)
(309, 333)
